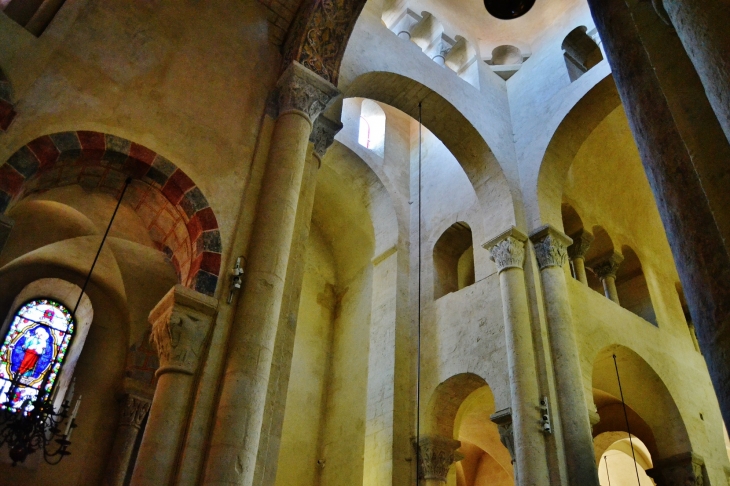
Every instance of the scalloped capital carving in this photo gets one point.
(181, 323)
(323, 134)
(436, 455)
(508, 249)
(607, 267)
(581, 243)
(302, 90)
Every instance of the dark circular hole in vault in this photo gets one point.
(508, 9)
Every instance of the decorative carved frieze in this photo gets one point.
(551, 246)
(503, 419)
(323, 134)
(436, 455)
(680, 470)
(581, 243)
(181, 322)
(508, 249)
(607, 267)
(302, 90)
(318, 36)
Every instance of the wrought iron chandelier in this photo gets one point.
(34, 424)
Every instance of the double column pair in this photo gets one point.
(183, 320)
(508, 252)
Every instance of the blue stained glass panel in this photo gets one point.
(33, 352)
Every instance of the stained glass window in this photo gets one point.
(33, 351)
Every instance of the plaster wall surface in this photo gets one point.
(167, 76)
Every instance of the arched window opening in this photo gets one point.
(34, 15)
(600, 249)
(687, 316)
(617, 462)
(572, 224)
(633, 291)
(581, 52)
(42, 341)
(372, 127)
(453, 260)
(506, 60)
(33, 352)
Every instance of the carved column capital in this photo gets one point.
(608, 266)
(134, 410)
(680, 470)
(181, 322)
(551, 246)
(436, 455)
(581, 243)
(503, 419)
(508, 249)
(300, 90)
(323, 135)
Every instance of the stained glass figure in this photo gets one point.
(33, 352)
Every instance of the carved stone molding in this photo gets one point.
(436, 455)
(503, 419)
(319, 34)
(680, 470)
(551, 246)
(508, 249)
(323, 134)
(302, 90)
(607, 267)
(581, 243)
(181, 323)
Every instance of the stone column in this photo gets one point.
(551, 251)
(577, 252)
(702, 259)
(135, 405)
(321, 138)
(181, 323)
(239, 418)
(508, 252)
(679, 470)
(702, 27)
(606, 270)
(436, 455)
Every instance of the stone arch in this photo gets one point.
(581, 52)
(178, 217)
(568, 138)
(7, 112)
(645, 394)
(450, 126)
(460, 408)
(446, 399)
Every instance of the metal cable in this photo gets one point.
(418, 358)
(626, 417)
(96, 258)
